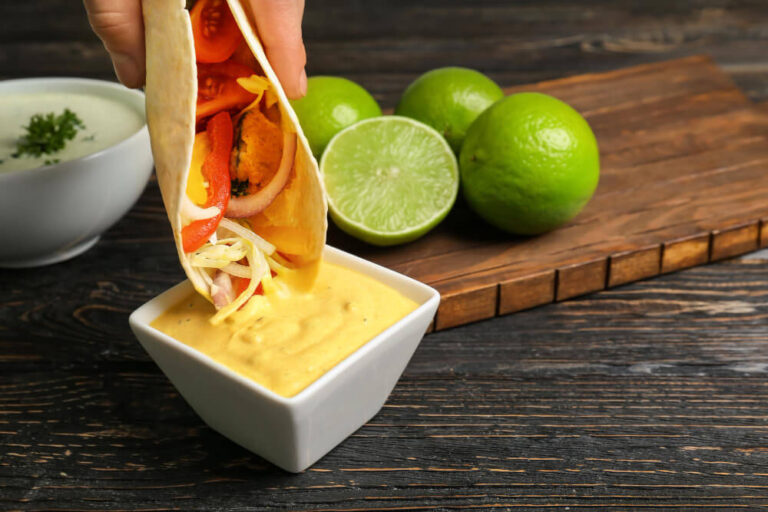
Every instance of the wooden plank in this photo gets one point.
(685, 252)
(526, 292)
(763, 232)
(466, 305)
(634, 265)
(581, 278)
(735, 240)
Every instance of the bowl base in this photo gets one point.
(55, 257)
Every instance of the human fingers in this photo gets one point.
(119, 25)
(279, 25)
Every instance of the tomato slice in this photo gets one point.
(217, 88)
(214, 30)
(216, 172)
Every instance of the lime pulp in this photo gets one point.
(389, 179)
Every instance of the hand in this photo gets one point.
(118, 23)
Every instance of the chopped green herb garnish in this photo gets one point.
(89, 138)
(239, 188)
(2, 161)
(48, 133)
(52, 161)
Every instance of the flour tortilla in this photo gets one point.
(296, 221)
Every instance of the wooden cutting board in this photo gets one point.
(684, 181)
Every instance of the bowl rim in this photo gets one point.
(315, 387)
(44, 169)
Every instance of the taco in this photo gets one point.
(238, 179)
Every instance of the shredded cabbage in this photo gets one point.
(259, 267)
(238, 270)
(225, 253)
(277, 263)
(249, 235)
(219, 254)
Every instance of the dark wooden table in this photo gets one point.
(651, 396)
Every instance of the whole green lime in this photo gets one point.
(529, 163)
(449, 100)
(330, 105)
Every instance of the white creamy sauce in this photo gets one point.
(107, 122)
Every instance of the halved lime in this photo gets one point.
(389, 179)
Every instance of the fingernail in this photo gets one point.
(303, 82)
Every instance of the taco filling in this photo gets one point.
(242, 158)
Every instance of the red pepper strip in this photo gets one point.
(215, 170)
(241, 284)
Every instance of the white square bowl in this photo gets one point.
(294, 432)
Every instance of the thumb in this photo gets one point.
(279, 25)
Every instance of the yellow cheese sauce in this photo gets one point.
(300, 331)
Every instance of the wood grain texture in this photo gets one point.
(649, 396)
(466, 305)
(685, 252)
(763, 239)
(735, 240)
(634, 265)
(525, 292)
(581, 278)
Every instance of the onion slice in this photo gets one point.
(250, 205)
(191, 212)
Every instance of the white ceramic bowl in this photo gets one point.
(56, 212)
(293, 432)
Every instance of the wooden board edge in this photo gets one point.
(735, 240)
(581, 278)
(630, 266)
(464, 305)
(685, 252)
(763, 240)
(527, 292)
